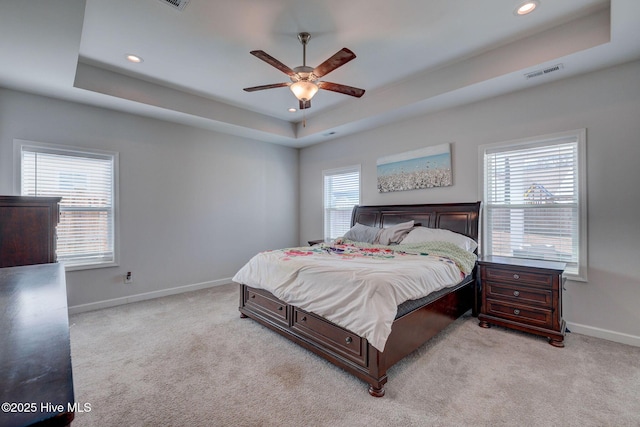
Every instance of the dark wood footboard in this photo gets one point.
(344, 348)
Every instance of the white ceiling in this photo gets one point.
(413, 56)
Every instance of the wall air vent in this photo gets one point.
(176, 4)
(544, 71)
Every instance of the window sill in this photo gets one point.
(575, 278)
(89, 266)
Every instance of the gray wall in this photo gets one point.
(606, 103)
(195, 205)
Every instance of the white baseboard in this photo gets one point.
(604, 334)
(146, 296)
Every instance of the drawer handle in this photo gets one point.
(348, 340)
(516, 276)
(304, 319)
(516, 311)
(516, 293)
(253, 295)
(280, 308)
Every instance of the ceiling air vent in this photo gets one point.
(544, 71)
(176, 4)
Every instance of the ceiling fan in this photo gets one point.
(305, 80)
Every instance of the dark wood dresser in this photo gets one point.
(28, 230)
(36, 382)
(523, 294)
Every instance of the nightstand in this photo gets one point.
(315, 242)
(523, 294)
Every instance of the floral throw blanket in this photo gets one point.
(357, 286)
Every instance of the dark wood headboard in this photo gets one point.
(459, 217)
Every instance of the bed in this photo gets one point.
(415, 321)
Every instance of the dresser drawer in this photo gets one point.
(265, 303)
(338, 339)
(520, 294)
(534, 316)
(520, 277)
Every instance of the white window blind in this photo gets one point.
(532, 199)
(86, 183)
(341, 194)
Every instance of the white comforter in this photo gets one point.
(358, 288)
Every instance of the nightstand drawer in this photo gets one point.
(520, 277)
(520, 313)
(520, 294)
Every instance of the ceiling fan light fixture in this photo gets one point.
(304, 90)
(304, 79)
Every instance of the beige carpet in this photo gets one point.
(190, 360)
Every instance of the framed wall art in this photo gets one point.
(423, 168)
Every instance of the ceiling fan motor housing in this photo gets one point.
(303, 73)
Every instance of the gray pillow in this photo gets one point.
(362, 233)
(394, 234)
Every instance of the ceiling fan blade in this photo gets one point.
(272, 61)
(337, 60)
(347, 90)
(263, 87)
(303, 105)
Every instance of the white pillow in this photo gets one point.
(425, 234)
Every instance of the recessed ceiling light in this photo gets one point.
(526, 8)
(292, 110)
(134, 58)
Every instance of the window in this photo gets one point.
(341, 194)
(535, 199)
(87, 182)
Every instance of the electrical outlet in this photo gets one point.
(128, 278)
